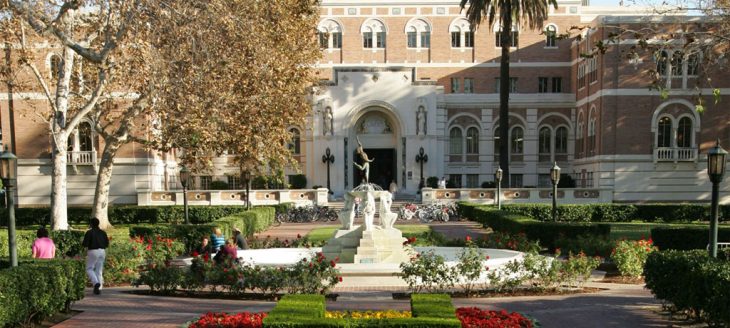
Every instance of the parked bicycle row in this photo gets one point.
(424, 213)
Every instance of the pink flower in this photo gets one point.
(468, 238)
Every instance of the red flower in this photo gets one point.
(149, 247)
(468, 238)
(195, 254)
(332, 263)
(339, 278)
(299, 236)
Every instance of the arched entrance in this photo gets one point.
(378, 131)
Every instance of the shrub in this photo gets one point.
(298, 181)
(590, 245)
(432, 182)
(630, 256)
(225, 320)
(218, 185)
(671, 212)
(163, 279)
(37, 289)
(427, 271)
(686, 238)
(469, 268)
(692, 282)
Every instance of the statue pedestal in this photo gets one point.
(373, 246)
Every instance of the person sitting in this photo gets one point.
(204, 248)
(241, 242)
(217, 239)
(43, 247)
(228, 251)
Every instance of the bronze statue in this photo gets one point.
(366, 161)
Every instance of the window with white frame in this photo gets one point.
(461, 34)
(512, 85)
(579, 134)
(456, 141)
(517, 140)
(330, 34)
(455, 85)
(593, 69)
(234, 182)
(295, 145)
(455, 180)
(472, 140)
(542, 84)
(205, 181)
(674, 132)
(513, 37)
(551, 36)
(472, 180)
(515, 180)
(676, 65)
(373, 34)
(468, 85)
(418, 34)
(664, 132)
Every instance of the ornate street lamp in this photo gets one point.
(184, 179)
(555, 178)
(328, 158)
(498, 181)
(716, 171)
(9, 174)
(421, 157)
(246, 175)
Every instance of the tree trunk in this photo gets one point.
(103, 181)
(504, 90)
(59, 196)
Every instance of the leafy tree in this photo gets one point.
(532, 13)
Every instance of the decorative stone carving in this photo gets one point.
(387, 218)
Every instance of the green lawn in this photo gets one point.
(637, 230)
(321, 235)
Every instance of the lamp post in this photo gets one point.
(8, 173)
(421, 157)
(246, 175)
(498, 182)
(716, 171)
(328, 158)
(184, 179)
(555, 178)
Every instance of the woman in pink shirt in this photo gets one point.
(43, 247)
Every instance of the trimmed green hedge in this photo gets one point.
(67, 243)
(308, 311)
(691, 281)
(546, 232)
(615, 212)
(125, 214)
(256, 220)
(686, 238)
(37, 289)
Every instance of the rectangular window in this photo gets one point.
(514, 39)
(455, 180)
(512, 85)
(337, 40)
(515, 180)
(542, 84)
(469, 39)
(381, 39)
(455, 88)
(425, 39)
(234, 182)
(411, 39)
(543, 181)
(367, 39)
(468, 85)
(455, 40)
(205, 182)
(472, 180)
(557, 85)
(323, 41)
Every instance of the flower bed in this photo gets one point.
(472, 317)
(225, 320)
(388, 314)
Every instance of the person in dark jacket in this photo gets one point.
(96, 242)
(241, 242)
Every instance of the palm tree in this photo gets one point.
(532, 13)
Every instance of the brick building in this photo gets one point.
(411, 74)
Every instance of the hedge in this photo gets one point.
(125, 214)
(308, 311)
(691, 281)
(545, 232)
(686, 238)
(616, 212)
(255, 220)
(68, 243)
(37, 289)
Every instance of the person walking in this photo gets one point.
(43, 247)
(96, 241)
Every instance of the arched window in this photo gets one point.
(418, 34)
(693, 64)
(295, 145)
(516, 140)
(461, 34)
(330, 34)
(544, 140)
(54, 66)
(561, 140)
(472, 141)
(514, 36)
(85, 137)
(677, 64)
(684, 133)
(373, 34)
(551, 35)
(456, 141)
(592, 131)
(579, 134)
(664, 132)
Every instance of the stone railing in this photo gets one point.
(672, 154)
(299, 197)
(518, 195)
